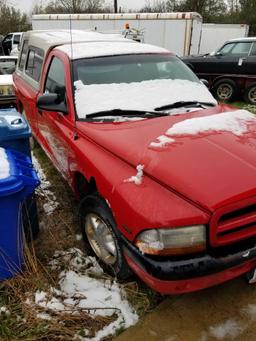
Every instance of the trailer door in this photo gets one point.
(195, 36)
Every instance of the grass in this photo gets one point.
(58, 232)
(246, 106)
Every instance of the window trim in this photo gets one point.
(20, 57)
(48, 70)
(36, 50)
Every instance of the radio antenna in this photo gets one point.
(71, 38)
(75, 136)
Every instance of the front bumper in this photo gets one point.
(179, 276)
(6, 100)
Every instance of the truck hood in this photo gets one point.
(211, 168)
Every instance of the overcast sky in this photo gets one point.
(26, 5)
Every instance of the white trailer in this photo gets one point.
(215, 35)
(178, 32)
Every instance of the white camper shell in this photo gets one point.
(177, 32)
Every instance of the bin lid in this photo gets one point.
(10, 181)
(13, 125)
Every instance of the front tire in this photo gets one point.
(225, 90)
(101, 236)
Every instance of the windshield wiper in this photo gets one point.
(185, 104)
(125, 112)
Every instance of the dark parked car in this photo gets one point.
(230, 71)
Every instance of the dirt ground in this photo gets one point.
(225, 312)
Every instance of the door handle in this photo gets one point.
(241, 60)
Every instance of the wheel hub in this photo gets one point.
(101, 238)
(252, 95)
(224, 91)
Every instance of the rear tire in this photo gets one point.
(250, 94)
(101, 236)
(225, 90)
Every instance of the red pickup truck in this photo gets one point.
(165, 176)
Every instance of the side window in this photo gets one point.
(23, 55)
(8, 38)
(253, 50)
(242, 48)
(55, 81)
(16, 39)
(225, 50)
(7, 44)
(34, 63)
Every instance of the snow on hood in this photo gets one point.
(146, 95)
(4, 165)
(235, 122)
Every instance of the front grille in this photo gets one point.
(233, 223)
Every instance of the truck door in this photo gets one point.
(55, 128)
(7, 44)
(233, 57)
(250, 63)
(27, 81)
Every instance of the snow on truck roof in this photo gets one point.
(87, 44)
(110, 48)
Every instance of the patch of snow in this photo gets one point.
(44, 189)
(40, 296)
(79, 236)
(162, 142)
(5, 311)
(250, 311)
(119, 119)
(137, 179)
(44, 316)
(146, 95)
(76, 261)
(79, 291)
(234, 122)
(229, 329)
(116, 46)
(4, 165)
(85, 331)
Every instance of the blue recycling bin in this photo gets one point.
(18, 180)
(14, 131)
(14, 134)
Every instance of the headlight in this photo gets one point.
(6, 90)
(173, 241)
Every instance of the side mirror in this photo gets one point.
(205, 82)
(51, 102)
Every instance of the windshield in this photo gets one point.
(139, 82)
(132, 68)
